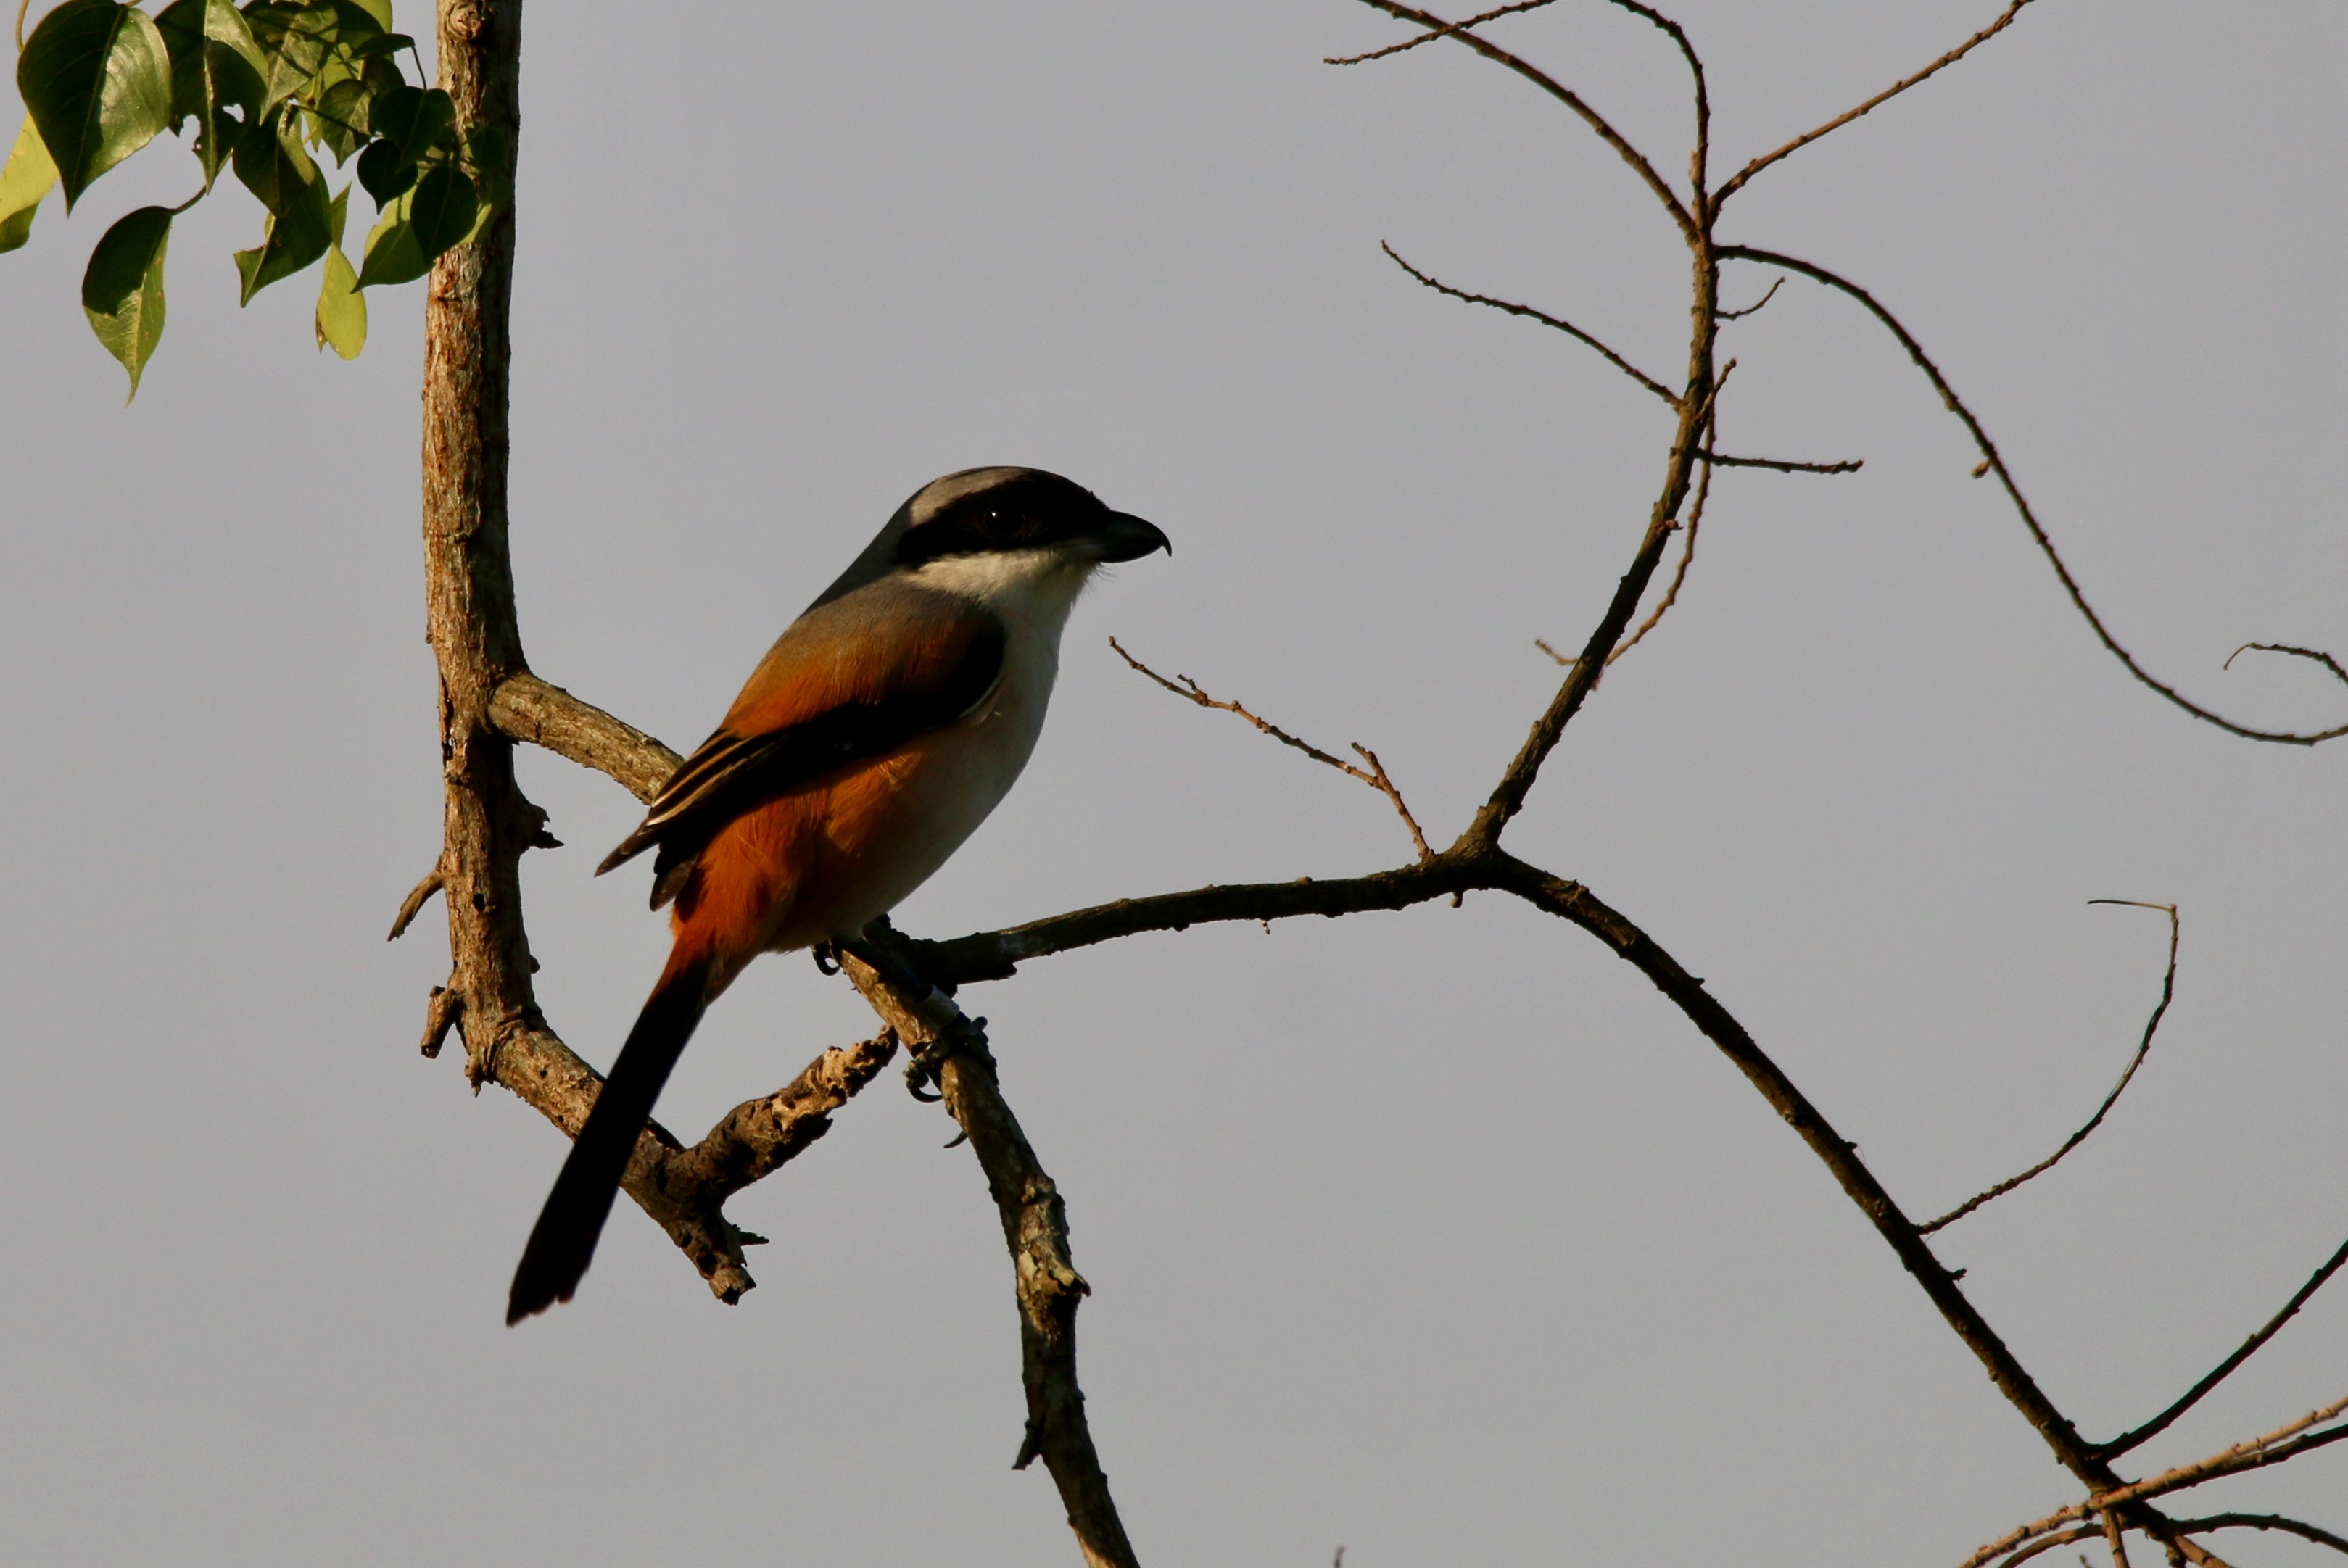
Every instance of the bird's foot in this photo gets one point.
(924, 1067)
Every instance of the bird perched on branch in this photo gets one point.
(876, 735)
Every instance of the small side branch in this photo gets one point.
(413, 904)
(1992, 462)
(2283, 1522)
(1679, 573)
(2135, 1436)
(1563, 94)
(1743, 175)
(2315, 655)
(1567, 327)
(1755, 308)
(1182, 686)
(2143, 1048)
(1785, 464)
(759, 1137)
(525, 707)
(1036, 1230)
(1443, 32)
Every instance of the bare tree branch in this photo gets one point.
(1679, 573)
(2298, 1527)
(2318, 655)
(1785, 464)
(1375, 776)
(2135, 1436)
(1036, 1229)
(1567, 327)
(1558, 90)
(413, 904)
(2079, 1532)
(1743, 175)
(2285, 1442)
(1755, 308)
(758, 1137)
(525, 707)
(2151, 1028)
(1995, 463)
(1443, 32)
(1701, 153)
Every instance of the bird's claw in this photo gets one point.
(923, 1067)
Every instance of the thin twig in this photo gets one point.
(2298, 1527)
(1374, 776)
(1679, 574)
(2317, 654)
(1755, 308)
(1785, 464)
(2077, 1532)
(2135, 1436)
(1428, 38)
(1567, 327)
(2285, 1442)
(1394, 794)
(1996, 463)
(1581, 676)
(1563, 94)
(1702, 150)
(2144, 1047)
(1738, 180)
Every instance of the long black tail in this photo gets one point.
(564, 1242)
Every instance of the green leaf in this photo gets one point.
(416, 120)
(442, 209)
(341, 117)
(24, 180)
(383, 171)
(393, 256)
(337, 212)
(342, 309)
(383, 45)
(122, 290)
(215, 66)
(98, 79)
(359, 22)
(299, 41)
(273, 166)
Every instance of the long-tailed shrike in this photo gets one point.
(878, 733)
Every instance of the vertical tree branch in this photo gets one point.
(467, 573)
(1036, 1229)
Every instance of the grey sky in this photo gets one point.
(1436, 1234)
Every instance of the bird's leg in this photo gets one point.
(955, 1032)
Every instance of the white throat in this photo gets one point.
(1032, 590)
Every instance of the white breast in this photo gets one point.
(964, 772)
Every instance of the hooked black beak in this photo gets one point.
(1127, 538)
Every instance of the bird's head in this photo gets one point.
(1026, 512)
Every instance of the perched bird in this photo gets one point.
(875, 736)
